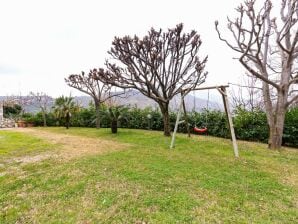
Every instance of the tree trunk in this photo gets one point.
(276, 124)
(276, 132)
(114, 126)
(67, 119)
(164, 107)
(44, 118)
(275, 113)
(97, 113)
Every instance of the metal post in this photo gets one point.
(229, 115)
(176, 124)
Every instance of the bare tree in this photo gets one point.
(42, 101)
(247, 94)
(159, 65)
(100, 92)
(268, 49)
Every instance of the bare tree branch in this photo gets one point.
(42, 101)
(159, 65)
(100, 92)
(268, 49)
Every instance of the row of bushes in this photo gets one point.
(248, 125)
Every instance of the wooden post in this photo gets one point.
(185, 117)
(177, 123)
(223, 92)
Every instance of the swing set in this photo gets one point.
(222, 90)
(205, 128)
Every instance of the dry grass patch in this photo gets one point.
(70, 146)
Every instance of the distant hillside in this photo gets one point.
(141, 101)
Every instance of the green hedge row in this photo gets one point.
(248, 125)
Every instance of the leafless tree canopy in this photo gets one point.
(92, 87)
(42, 101)
(267, 45)
(18, 99)
(159, 65)
(268, 49)
(99, 91)
(247, 94)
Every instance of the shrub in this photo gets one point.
(251, 125)
(290, 136)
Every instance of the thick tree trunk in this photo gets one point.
(114, 126)
(276, 122)
(67, 121)
(275, 113)
(97, 114)
(44, 118)
(164, 107)
(276, 132)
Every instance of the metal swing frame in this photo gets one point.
(222, 90)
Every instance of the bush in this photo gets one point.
(84, 118)
(12, 111)
(290, 136)
(251, 125)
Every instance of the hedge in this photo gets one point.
(249, 125)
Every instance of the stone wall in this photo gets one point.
(7, 123)
(1, 111)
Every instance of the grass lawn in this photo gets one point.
(197, 182)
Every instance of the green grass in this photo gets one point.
(197, 182)
(18, 144)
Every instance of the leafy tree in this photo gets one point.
(63, 109)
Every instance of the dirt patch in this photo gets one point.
(32, 159)
(70, 146)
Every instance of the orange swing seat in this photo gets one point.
(200, 130)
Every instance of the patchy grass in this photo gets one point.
(18, 144)
(198, 182)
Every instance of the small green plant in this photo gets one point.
(115, 114)
(12, 111)
(64, 107)
(28, 118)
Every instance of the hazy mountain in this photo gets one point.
(139, 100)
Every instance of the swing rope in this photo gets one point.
(204, 129)
(207, 110)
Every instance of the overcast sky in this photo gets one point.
(42, 42)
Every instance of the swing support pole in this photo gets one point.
(177, 122)
(223, 92)
(185, 116)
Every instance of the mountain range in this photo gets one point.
(139, 100)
